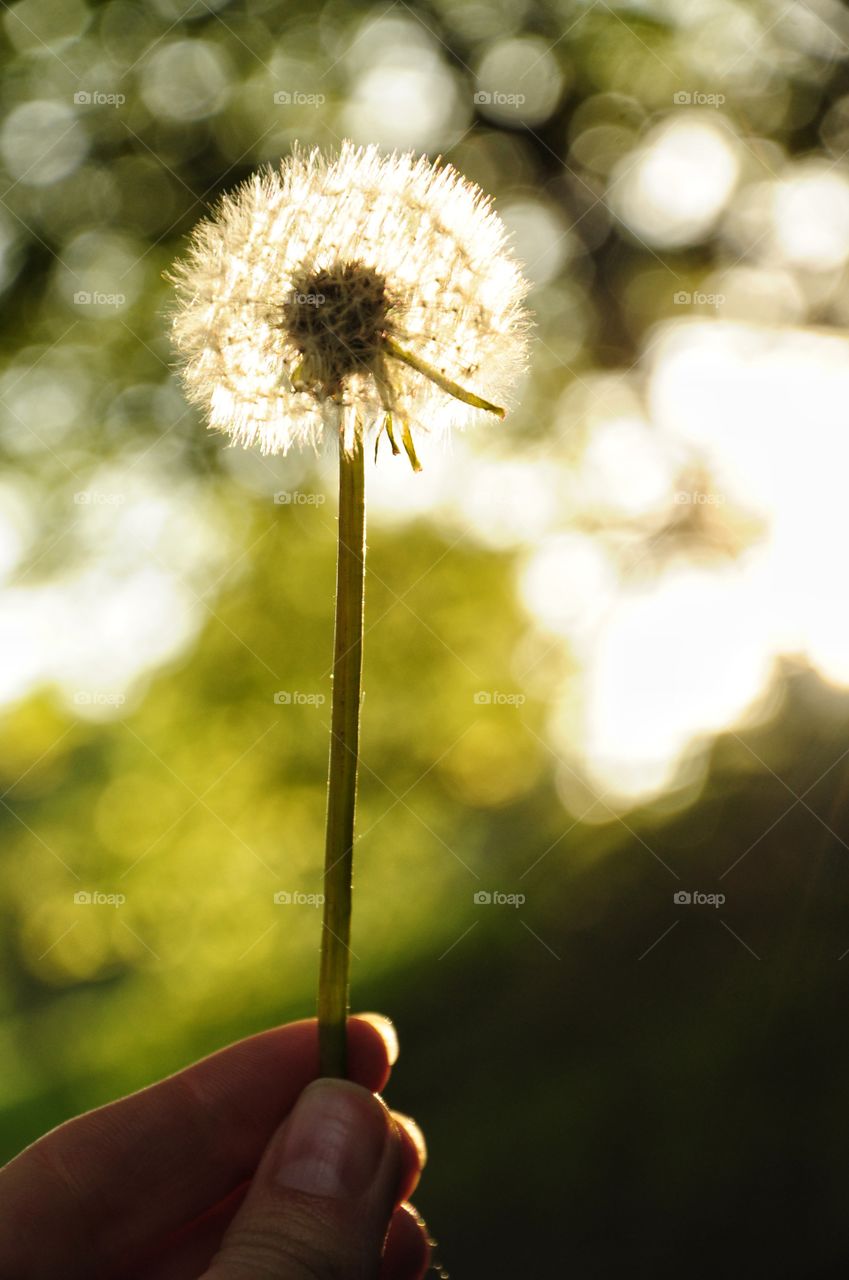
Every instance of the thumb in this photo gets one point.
(320, 1203)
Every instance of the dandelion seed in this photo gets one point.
(368, 289)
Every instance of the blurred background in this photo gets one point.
(603, 858)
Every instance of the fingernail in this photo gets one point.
(386, 1030)
(415, 1134)
(333, 1140)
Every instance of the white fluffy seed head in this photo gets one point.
(297, 289)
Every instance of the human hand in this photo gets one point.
(242, 1167)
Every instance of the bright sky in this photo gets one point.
(672, 657)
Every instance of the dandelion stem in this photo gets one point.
(342, 781)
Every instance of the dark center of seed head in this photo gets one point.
(335, 318)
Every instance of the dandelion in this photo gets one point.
(367, 286)
(354, 298)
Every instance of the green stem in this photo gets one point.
(342, 781)
(453, 388)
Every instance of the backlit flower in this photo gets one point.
(367, 289)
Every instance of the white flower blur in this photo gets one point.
(367, 292)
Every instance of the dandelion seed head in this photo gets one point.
(317, 293)
(336, 318)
